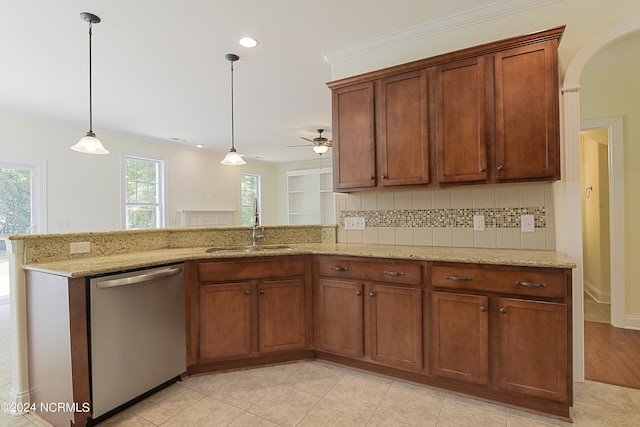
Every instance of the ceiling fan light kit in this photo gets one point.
(233, 158)
(89, 143)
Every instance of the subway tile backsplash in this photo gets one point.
(444, 217)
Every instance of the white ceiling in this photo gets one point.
(159, 70)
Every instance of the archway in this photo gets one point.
(569, 224)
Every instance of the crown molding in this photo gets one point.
(437, 26)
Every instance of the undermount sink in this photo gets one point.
(250, 248)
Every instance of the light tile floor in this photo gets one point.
(321, 394)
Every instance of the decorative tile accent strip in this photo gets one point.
(447, 218)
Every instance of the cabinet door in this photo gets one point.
(354, 137)
(340, 317)
(533, 348)
(461, 120)
(396, 326)
(404, 129)
(460, 337)
(281, 315)
(527, 123)
(225, 321)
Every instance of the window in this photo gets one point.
(144, 193)
(249, 195)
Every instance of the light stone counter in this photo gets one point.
(113, 263)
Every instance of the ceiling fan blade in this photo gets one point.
(304, 145)
(306, 139)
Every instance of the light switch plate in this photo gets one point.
(527, 223)
(478, 223)
(355, 223)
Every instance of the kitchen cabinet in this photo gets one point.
(503, 327)
(490, 113)
(246, 308)
(371, 311)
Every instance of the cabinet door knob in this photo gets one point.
(482, 169)
(372, 177)
(500, 167)
(372, 294)
(358, 293)
(483, 308)
(384, 177)
(261, 291)
(503, 310)
(247, 292)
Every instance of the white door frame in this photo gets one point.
(616, 213)
(569, 221)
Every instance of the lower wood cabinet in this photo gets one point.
(246, 308)
(376, 322)
(518, 343)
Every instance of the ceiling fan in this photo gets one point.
(320, 144)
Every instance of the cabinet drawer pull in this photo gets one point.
(458, 279)
(395, 273)
(247, 292)
(503, 310)
(358, 293)
(483, 308)
(334, 268)
(531, 284)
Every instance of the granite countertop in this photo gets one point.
(92, 266)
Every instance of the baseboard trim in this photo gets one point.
(632, 322)
(596, 294)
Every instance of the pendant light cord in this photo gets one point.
(233, 146)
(90, 84)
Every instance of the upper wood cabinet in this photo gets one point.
(485, 114)
(354, 152)
(527, 129)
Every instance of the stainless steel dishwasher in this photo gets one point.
(137, 336)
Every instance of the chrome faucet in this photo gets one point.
(255, 236)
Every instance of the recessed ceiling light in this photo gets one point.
(248, 42)
(200, 145)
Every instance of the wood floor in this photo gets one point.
(612, 355)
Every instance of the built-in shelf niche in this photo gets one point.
(206, 218)
(310, 198)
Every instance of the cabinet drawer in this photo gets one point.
(536, 282)
(248, 269)
(382, 270)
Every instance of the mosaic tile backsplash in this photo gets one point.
(444, 217)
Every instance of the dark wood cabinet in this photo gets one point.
(460, 337)
(533, 348)
(462, 120)
(507, 328)
(527, 125)
(246, 308)
(281, 311)
(404, 128)
(341, 317)
(490, 113)
(354, 144)
(379, 321)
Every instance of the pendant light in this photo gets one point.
(233, 158)
(89, 143)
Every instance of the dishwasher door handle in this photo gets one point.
(145, 277)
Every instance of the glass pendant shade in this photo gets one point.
(89, 144)
(233, 158)
(320, 149)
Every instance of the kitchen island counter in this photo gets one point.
(91, 266)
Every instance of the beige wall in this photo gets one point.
(85, 190)
(613, 89)
(595, 215)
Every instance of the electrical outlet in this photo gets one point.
(355, 223)
(79, 247)
(62, 224)
(478, 222)
(527, 223)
